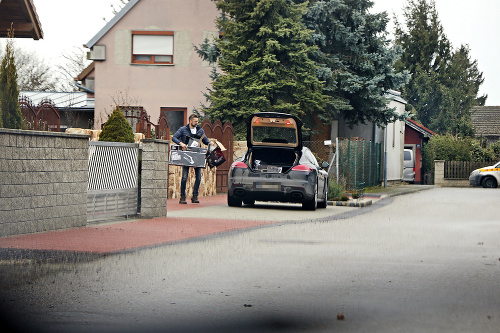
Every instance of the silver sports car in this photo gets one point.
(276, 167)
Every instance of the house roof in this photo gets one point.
(110, 24)
(74, 99)
(395, 96)
(22, 15)
(83, 74)
(486, 120)
(419, 128)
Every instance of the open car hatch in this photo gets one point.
(274, 129)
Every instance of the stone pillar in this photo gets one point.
(154, 178)
(439, 173)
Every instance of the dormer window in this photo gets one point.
(152, 47)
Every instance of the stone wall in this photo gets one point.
(239, 149)
(207, 187)
(43, 178)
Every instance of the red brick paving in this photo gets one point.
(173, 204)
(122, 236)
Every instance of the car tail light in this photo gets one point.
(239, 165)
(413, 169)
(302, 167)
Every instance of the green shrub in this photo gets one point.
(450, 148)
(117, 129)
(495, 150)
(336, 191)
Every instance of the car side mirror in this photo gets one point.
(325, 165)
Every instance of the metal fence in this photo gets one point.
(320, 150)
(354, 164)
(358, 164)
(113, 187)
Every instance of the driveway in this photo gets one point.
(425, 262)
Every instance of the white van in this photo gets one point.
(409, 166)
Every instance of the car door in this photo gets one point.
(322, 176)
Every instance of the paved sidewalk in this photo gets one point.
(122, 235)
(183, 222)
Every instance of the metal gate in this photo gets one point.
(113, 187)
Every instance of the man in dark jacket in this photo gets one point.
(181, 137)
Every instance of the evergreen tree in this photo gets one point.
(9, 93)
(264, 62)
(355, 60)
(117, 128)
(209, 52)
(426, 50)
(444, 83)
(459, 87)
(425, 46)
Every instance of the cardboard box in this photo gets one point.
(193, 156)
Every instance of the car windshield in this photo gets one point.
(274, 134)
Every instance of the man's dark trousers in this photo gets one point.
(185, 173)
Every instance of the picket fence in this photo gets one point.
(462, 169)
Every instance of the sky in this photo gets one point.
(67, 24)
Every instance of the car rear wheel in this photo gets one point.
(313, 203)
(324, 203)
(233, 201)
(489, 182)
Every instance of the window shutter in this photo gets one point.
(153, 44)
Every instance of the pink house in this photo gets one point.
(145, 57)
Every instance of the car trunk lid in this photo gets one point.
(274, 129)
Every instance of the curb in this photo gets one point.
(364, 203)
(350, 203)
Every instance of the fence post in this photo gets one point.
(364, 164)
(338, 157)
(349, 174)
(370, 164)
(356, 165)
(439, 172)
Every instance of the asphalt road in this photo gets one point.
(422, 262)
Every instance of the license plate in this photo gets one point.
(268, 186)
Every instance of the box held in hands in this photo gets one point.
(193, 156)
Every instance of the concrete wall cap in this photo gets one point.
(43, 133)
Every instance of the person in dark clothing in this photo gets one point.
(181, 137)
